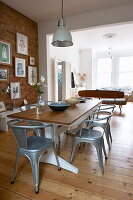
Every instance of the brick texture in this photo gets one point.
(12, 22)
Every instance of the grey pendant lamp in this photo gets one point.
(62, 37)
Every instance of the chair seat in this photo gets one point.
(37, 143)
(97, 124)
(89, 134)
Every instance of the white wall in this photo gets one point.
(67, 54)
(86, 66)
(87, 20)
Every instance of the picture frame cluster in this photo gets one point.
(20, 64)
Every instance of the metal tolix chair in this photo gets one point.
(31, 146)
(102, 119)
(90, 136)
(107, 107)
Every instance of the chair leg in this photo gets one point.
(15, 166)
(107, 137)
(56, 157)
(74, 143)
(104, 151)
(79, 144)
(109, 131)
(34, 159)
(120, 107)
(100, 156)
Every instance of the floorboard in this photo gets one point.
(89, 184)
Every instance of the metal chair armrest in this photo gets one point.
(98, 119)
(102, 112)
(42, 125)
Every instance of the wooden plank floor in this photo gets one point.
(116, 183)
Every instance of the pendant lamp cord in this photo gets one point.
(62, 10)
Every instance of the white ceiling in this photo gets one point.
(94, 38)
(42, 10)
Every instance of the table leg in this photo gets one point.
(49, 157)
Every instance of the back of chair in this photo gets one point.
(20, 131)
(105, 107)
(20, 136)
(106, 115)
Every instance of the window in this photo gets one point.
(114, 73)
(126, 71)
(104, 66)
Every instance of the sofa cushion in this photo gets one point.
(121, 101)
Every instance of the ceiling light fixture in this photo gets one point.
(62, 37)
(109, 37)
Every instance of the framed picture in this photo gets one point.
(22, 44)
(32, 61)
(15, 90)
(32, 75)
(4, 74)
(2, 106)
(5, 53)
(20, 67)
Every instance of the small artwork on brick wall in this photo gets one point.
(22, 44)
(32, 61)
(32, 75)
(5, 53)
(4, 74)
(15, 90)
(2, 106)
(19, 67)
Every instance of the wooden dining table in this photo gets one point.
(61, 120)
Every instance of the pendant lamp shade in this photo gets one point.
(62, 37)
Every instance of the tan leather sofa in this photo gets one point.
(107, 96)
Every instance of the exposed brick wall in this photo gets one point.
(12, 22)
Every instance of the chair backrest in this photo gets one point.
(102, 115)
(105, 107)
(20, 131)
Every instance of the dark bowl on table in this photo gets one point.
(82, 99)
(58, 106)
